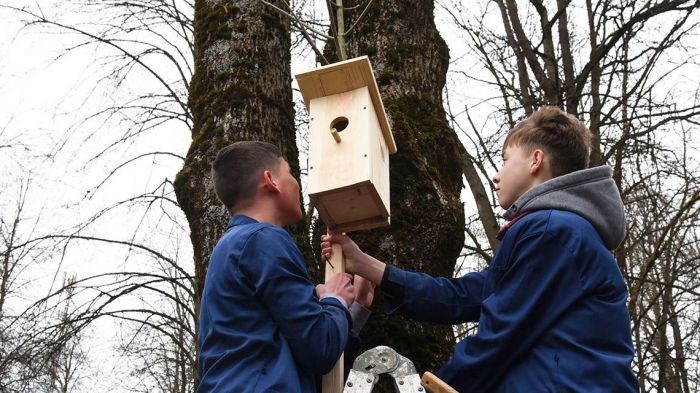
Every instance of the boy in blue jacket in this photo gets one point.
(551, 305)
(263, 326)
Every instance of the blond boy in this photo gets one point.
(551, 305)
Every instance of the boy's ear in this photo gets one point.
(537, 161)
(270, 183)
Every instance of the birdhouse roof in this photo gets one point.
(345, 76)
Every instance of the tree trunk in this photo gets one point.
(410, 61)
(240, 91)
(596, 105)
(483, 204)
(679, 361)
(671, 361)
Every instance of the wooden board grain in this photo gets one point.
(346, 76)
(333, 381)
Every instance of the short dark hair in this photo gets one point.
(562, 135)
(238, 167)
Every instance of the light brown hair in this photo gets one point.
(560, 134)
(237, 169)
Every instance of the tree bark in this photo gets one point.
(567, 58)
(525, 98)
(670, 363)
(410, 61)
(545, 83)
(679, 361)
(240, 91)
(481, 199)
(596, 105)
(549, 58)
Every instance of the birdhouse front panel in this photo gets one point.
(350, 141)
(348, 162)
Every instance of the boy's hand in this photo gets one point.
(365, 291)
(356, 261)
(339, 285)
(351, 251)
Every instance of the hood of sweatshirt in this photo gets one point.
(590, 193)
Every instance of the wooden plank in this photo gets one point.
(352, 204)
(381, 115)
(349, 75)
(342, 211)
(333, 165)
(369, 223)
(435, 385)
(333, 381)
(337, 262)
(379, 163)
(359, 162)
(345, 76)
(336, 82)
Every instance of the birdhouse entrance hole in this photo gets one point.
(339, 124)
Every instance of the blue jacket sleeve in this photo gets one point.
(316, 330)
(530, 293)
(434, 299)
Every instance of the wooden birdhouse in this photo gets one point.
(349, 145)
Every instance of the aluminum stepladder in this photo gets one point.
(384, 360)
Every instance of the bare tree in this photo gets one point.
(152, 42)
(66, 359)
(39, 351)
(14, 260)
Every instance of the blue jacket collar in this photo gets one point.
(240, 220)
(502, 232)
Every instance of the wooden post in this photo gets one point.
(435, 385)
(348, 174)
(334, 381)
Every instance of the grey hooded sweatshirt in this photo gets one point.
(590, 193)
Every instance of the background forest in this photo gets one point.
(112, 110)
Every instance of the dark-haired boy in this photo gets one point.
(263, 326)
(551, 306)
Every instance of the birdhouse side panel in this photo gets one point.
(337, 164)
(379, 154)
(354, 208)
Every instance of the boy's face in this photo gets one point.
(289, 203)
(515, 177)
